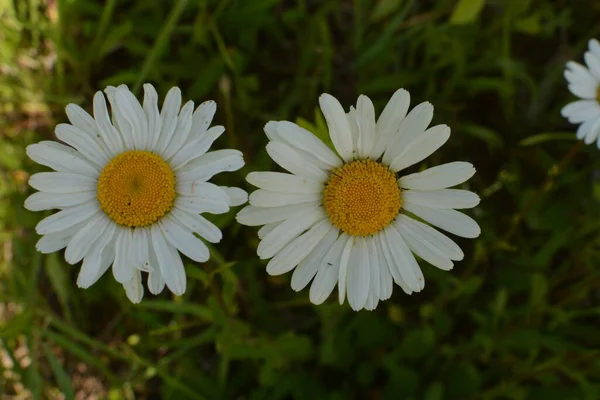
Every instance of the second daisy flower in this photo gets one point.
(341, 219)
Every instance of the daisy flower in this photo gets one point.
(347, 218)
(131, 190)
(585, 84)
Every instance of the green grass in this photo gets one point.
(516, 319)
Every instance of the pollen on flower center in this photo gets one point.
(136, 188)
(598, 93)
(362, 197)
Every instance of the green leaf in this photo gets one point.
(466, 11)
(547, 137)
(59, 278)
(61, 376)
(384, 8)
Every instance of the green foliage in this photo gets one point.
(516, 319)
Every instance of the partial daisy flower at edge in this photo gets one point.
(340, 220)
(130, 191)
(585, 84)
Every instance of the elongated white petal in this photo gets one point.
(266, 198)
(291, 160)
(358, 276)
(264, 230)
(308, 268)
(236, 196)
(581, 110)
(82, 241)
(202, 189)
(403, 264)
(430, 237)
(254, 216)
(196, 148)
(140, 249)
(182, 131)
(58, 240)
(81, 141)
(422, 248)
(168, 115)
(387, 264)
(409, 129)
(199, 205)
(365, 117)
(199, 224)
(150, 107)
(132, 112)
(67, 218)
(374, 278)
(122, 268)
(440, 177)
(443, 198)
(156, 283)
(108, 133)
(119, 120)
(303, 140)
(280, 182)
(328, 274)
(288, 231)
(389, 121)
(184, 240)
(61, 158)
(207, 165)
(339, 129)
(46, 201)
(62, 182)
(422, 147)
(343, 270)
(134, 289)
(202, 118)
(170, 264)
(99, 259)
(449, 220)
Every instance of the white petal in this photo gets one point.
(288, 231)
(389, 121)
(46, 201)
(199, 205)
(199, 224)
(280, 182)
(593, 133)
(122, 267)
(82, 241)
(584, 91)
(292, 254)
(343, 270)
(584, 128)
(328, 274)
(440, 177)
(430, 237)
(359, 275)
(119, 121)
(365, 117)
(66, 218)
(308, 268)
(77, 138)
(156, 283)
(354, 128)
(449, 220)
(577, 74)
(254, 216)
(132, 112)
(423, 248)
(57, 240)
(202, 118)
(339, 129)
(196, 148)
(264, 230)
(61, 158)
(594, 47)
(134, 289)
(184, 240)
(266, 198)
(202, 189)
(443, 198)
(150, 107)
(291, 160)
(386, 261)
(374, 278)
(182, 131)
(171, 266)
(109, 134)
(593, 64)
(212, 163)
(303, 140)
(140, 249)
(237, 196)
(62, 182)
(581, 110)
(403, 264)
(168, 115)
(422, 147)
(100, 258)
(409, 129)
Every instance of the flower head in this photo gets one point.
(585, 84)
(131, 190)
(343, 219)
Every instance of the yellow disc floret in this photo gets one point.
(362, 197)
(136, 188)
(598, 93)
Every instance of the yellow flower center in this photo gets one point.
(136, 188)
(598, 94)
(362, 197)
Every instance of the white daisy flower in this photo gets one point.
(130, 192)
(585, 84)
(343, 219)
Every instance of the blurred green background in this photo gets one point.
(518, 318)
